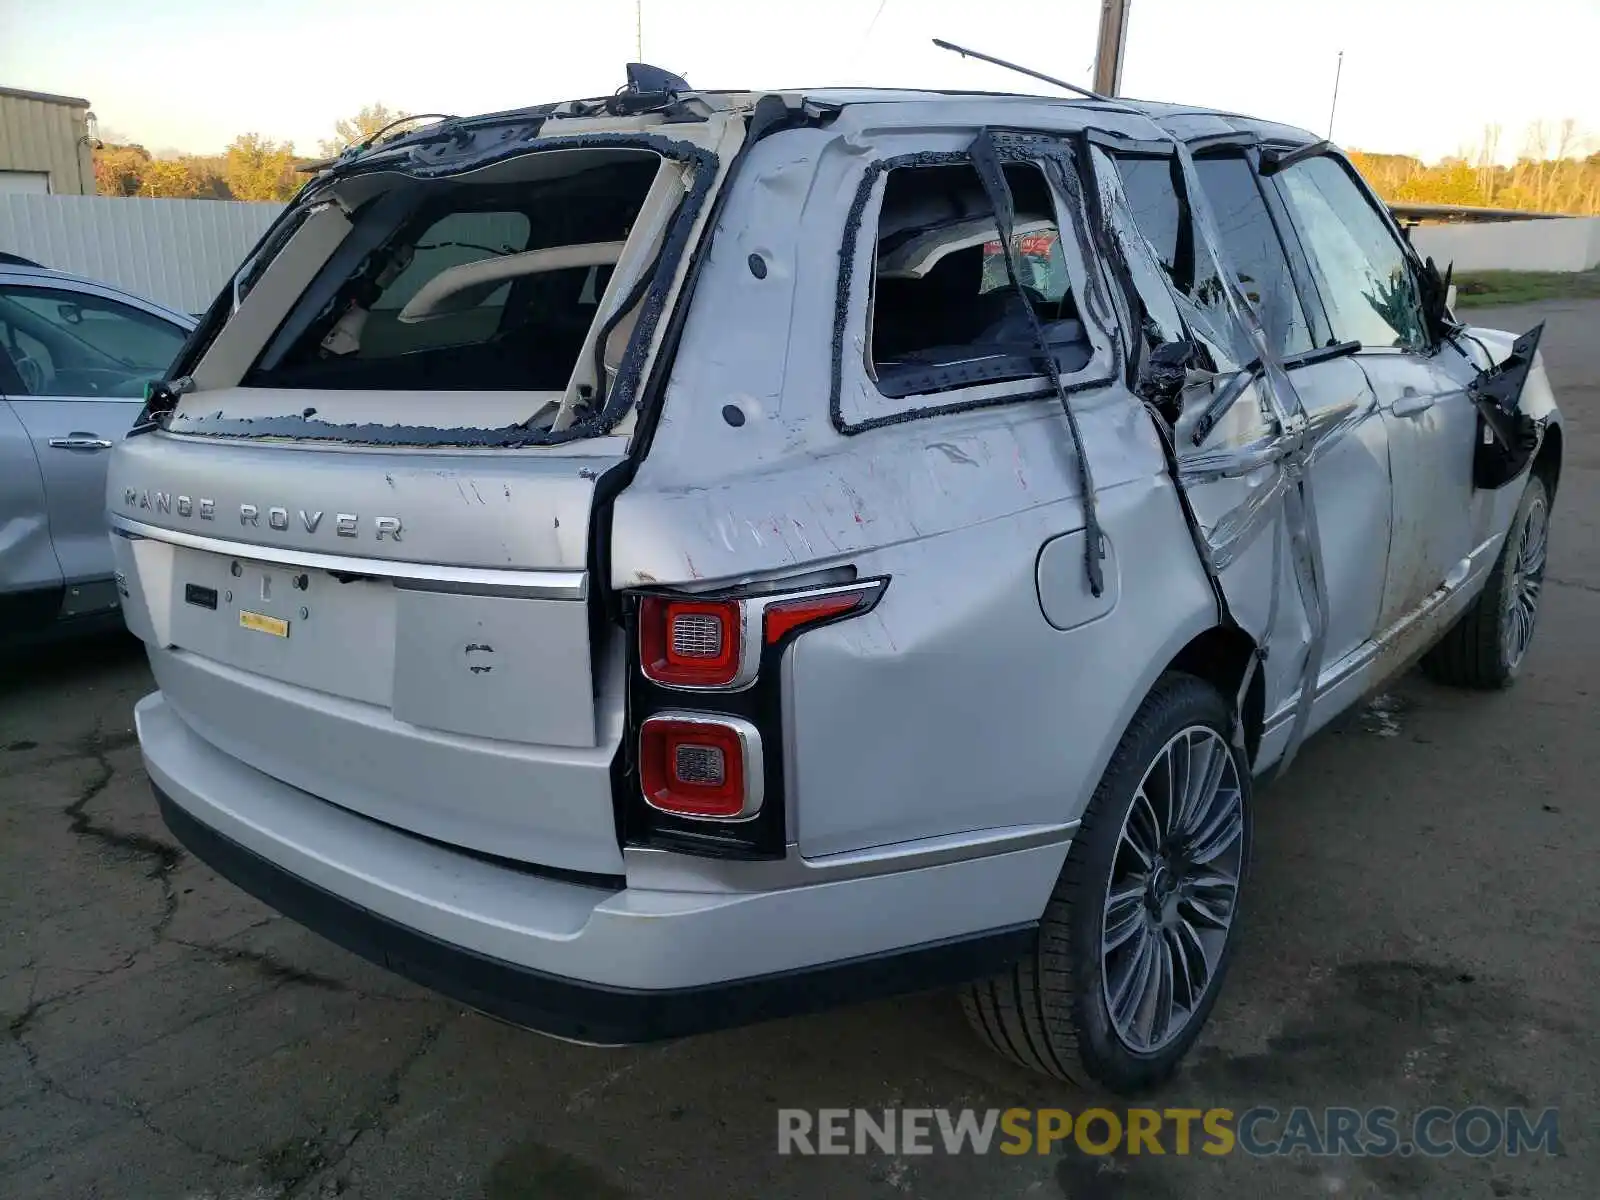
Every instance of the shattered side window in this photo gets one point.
(1362, 273)
(1252, 245)
(944, 314)
(1249, 240)
(1148, 242)
(1153, 202)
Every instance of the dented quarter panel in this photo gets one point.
(955, 705)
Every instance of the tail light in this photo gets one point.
(782, 617)
(690, 643)
(696, 781)
(705, 644)
(700, 766)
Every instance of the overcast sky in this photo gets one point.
(1420, 76)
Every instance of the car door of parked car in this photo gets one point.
(1369, 291)
(79, 362)
(30, 577)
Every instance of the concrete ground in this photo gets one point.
(1422, 928)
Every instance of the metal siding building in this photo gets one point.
(176, 252)
(44, 144)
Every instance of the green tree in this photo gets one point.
(1557, 172)
(173, 177)
(120, 170)
(350, 131)
(256, 168)
(1453, 181)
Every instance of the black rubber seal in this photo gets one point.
(1013, 151)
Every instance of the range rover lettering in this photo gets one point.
(657, 562)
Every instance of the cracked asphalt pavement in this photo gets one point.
(1421, 927)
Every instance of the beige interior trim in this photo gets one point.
(264, 308)
(921, 254)
(466, 286)
(649, 229)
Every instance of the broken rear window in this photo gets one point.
(485, 288)
(944, 314)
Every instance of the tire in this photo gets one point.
(1053, 1011)
(1487, 646)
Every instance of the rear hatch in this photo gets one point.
(356, 534)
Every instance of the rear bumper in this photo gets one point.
(574, 959)
(571, 1008)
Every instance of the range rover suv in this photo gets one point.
(647, 564)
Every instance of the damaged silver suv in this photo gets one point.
(648, 564)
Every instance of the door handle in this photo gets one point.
(81, 441)
(1412, 402)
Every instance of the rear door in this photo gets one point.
(1350, 476)
(1369, 291)
(81, 362)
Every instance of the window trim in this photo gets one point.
(1408, 254)
(1029, 388)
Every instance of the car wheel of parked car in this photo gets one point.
(1137, 935)
(1486, 647)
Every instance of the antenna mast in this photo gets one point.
(1338, 69)
(1011, 66)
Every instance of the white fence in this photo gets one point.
(180, 252)
(1554, 244)
(176, 252)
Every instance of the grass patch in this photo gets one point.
(1477, 288)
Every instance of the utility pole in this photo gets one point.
(1113, 41)
(1338, 69)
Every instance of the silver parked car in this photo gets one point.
(647, 564)
(75, 357)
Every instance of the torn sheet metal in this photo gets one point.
(1295, 442)
(1220, 318)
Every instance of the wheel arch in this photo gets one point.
(1222, 656)
(1547, 463)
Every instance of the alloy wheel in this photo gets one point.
(1173, 890)
(1527, 581)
